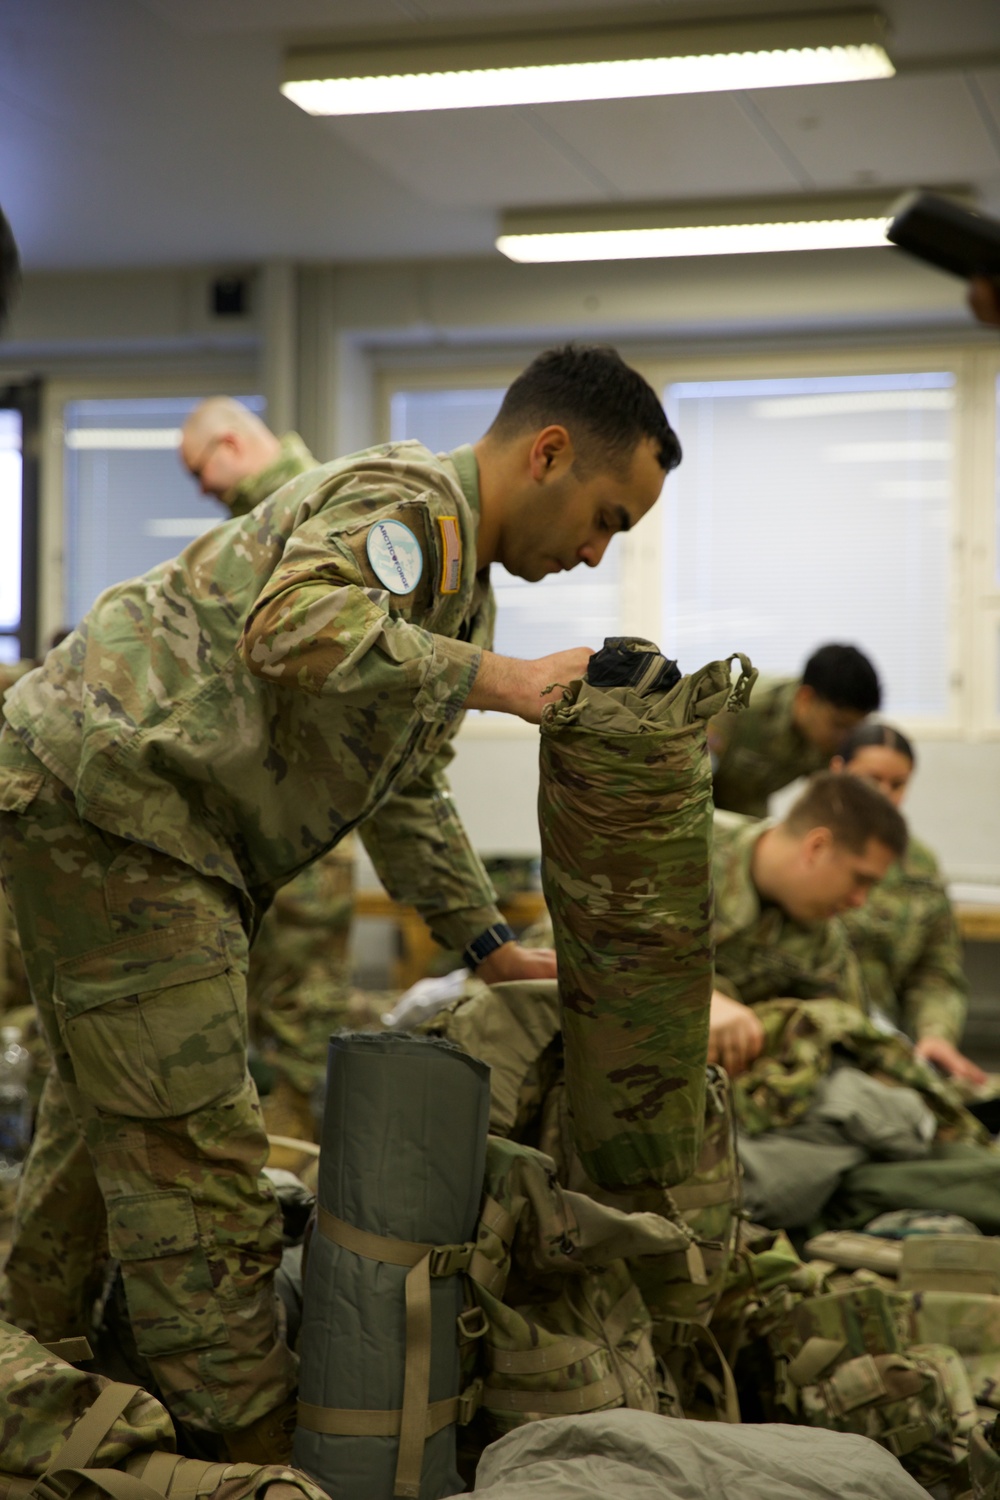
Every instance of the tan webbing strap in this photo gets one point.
(112, 1481)
(628, 1307)
(83, 1442)
(816, 1355)
(702, 1195)
(423, 1261)
(494, 1216)
(345, 1422)
(73, 1351)
(730, 1393)
(556, 1403)
(545, 1357)
(416, 1382)
(443, 1260)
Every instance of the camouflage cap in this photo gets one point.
(901, 1223)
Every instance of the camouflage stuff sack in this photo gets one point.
(67, 1431)
(843, 1361)
(625, 811)
(565, 1328)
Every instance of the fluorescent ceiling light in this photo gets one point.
(907, 450)
(626, 62)
(852, 403)
(123, 437)
(722, 228)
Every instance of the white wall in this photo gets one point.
(318, 337)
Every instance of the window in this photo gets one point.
(129, 503)
(533, 619)
(809, 510)
(10, 533)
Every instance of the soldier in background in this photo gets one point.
(779, 889)
(791, 728)
(906, 935)
(298, 984)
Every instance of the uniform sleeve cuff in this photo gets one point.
(448, 681)
(457, 930)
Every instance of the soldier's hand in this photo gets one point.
(934, 1049)
(735, 1035)
(984, 299)
(511, 961)
(520, 687)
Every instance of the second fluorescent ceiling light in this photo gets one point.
(814, 222)
(626, 62)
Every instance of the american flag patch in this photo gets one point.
(451, 548)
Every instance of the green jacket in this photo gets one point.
(759, 751)
(294, 459)
(907, 940)
(762, 954)
(244, 705)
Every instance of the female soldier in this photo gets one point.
(905, 934)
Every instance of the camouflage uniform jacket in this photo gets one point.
(759, 751)
(907, 940)
(293, 459)
(244, 705)
(761, 953)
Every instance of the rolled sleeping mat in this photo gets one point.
(625, 814)
(402, 1159)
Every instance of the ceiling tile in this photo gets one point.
(481, 157)
(917, 129)
(700, 146)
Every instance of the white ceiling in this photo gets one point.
(151, 132)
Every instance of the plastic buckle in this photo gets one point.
(469, 1402)
(53, 1487)
(448, 1260)
(473, 1323)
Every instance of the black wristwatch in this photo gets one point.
(486, 943)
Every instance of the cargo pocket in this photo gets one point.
(18, 789)
(171, 1300)
(155, 1027)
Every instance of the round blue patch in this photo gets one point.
(395, 556)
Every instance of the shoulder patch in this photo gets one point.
(451, 553)
(395, 556)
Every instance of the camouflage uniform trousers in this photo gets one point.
(149, 1139)
(298, 987)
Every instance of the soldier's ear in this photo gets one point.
(816, 842)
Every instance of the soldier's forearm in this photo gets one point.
(510, 686)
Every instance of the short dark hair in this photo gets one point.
(10, 269)
(843, 676)
(877, 734)
(853, 811)
(606, 407)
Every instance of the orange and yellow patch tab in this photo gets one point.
(451, 549)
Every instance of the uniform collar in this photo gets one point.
(464, 462)
(737, 902)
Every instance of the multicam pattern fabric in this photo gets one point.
(293, 459)
(515, 1029)
(41, 1400)
(44, 1401)
(907, 940)
(136, 963)
(626, 821)
(760, 953)
(801, 1042)
(298, 987)
(759, 752)
(220, 708)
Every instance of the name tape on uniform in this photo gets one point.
(451, 547)
(395, 556)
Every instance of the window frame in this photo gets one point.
(56, 394)
(974, 584)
